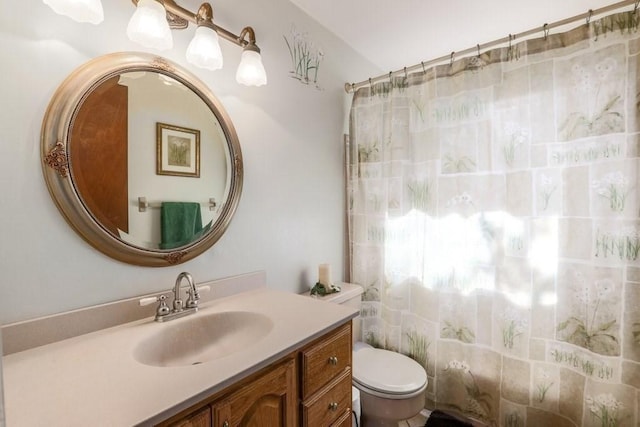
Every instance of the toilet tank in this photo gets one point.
(350, 295)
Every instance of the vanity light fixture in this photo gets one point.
(151, 23)
(78, 10)
(251, 71)
(204, 49)
(148, 26)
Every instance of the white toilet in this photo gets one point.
(391, 385)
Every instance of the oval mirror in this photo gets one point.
(141, 159)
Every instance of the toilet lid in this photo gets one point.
(387, 371)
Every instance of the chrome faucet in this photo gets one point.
(192, 301)
(180, 309)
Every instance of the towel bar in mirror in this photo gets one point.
(144, 204)
(133, 123)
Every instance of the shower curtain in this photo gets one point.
(494, 225)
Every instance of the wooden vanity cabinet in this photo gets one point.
(310, 387)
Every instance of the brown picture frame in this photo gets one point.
(177, 151)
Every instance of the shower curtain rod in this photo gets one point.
(352, 87)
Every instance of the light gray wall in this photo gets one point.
(291, 215)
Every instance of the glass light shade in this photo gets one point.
(148, 26)
(251, 71)
(204, 49)
(78, 10)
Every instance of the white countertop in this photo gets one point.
(94, 380)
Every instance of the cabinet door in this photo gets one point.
(268, 401)
(200, 418)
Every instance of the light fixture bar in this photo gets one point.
(203, 50)
(175, 9)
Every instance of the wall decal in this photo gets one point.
(306, 57)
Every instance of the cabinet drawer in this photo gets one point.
(330, 405)
(325, 359)
(344, 421)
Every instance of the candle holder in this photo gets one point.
(322, 290)
(324, 285)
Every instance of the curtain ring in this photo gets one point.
(478, 46)
(545, 30)
(370, 84)
(510, 51)
(589, 16)
(353, 87)
(425, 71)
(405, 72)
(390, 73)
(451, 60)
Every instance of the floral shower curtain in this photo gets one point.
(494, 225)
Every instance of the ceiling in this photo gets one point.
(393, 34)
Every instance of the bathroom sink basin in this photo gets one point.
(201, 338)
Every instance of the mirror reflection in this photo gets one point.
(149, 160)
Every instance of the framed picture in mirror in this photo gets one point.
(178, 151)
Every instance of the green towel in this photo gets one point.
(180, 222)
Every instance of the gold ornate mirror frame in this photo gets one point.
(56, 165)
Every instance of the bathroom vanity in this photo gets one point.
(295, 371)
(322, 370)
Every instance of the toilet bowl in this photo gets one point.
(391, 385)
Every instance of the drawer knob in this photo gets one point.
(225, 424)
(333, 406)
(333, 360)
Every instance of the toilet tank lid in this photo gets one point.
(387, 371)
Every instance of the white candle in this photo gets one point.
(324, 274)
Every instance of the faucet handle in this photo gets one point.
(162, 309)
(203, 288)
(147, 301)
(194, 297)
